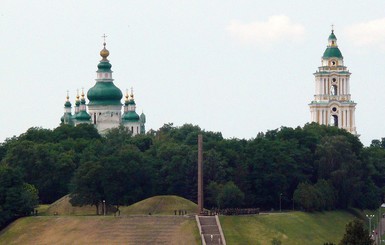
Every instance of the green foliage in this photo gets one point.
(319, 167)
(230, 196)
(17, 198)
(355, 234)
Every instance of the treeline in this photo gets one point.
(311, 168)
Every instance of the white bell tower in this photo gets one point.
(332, 104)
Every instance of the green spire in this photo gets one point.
(104, 92)
(332, 50)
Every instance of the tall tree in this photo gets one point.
(355, 234)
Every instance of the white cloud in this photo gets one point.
(368, 34)
(277, 28)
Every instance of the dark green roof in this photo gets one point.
(82, 116)
(104, 66)
(332, 52)
(130, 116)
(332, 36)
(104, 93)
(67, 104)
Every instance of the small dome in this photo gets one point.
(67, 104)
(131, 102)
(131, 116)
(332, 36)
(104, 66)
(83, 116)
(104, 52)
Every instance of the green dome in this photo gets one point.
(131, 116)
(332, 36)
(82, 116)
(67, 104)
(104, 93)
(104, 66)
(332, 52)
(131, 102)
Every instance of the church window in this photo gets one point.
(333, 90)
(334, 120)
(334, 109)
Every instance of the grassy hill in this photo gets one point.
(160, 205)
(290, 228)
(79, 225)
(64, 207)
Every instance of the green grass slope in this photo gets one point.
(64, 207)
(161, 205)
(101, 230)
(290, 228)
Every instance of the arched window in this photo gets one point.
(333, 120)
(333, 90)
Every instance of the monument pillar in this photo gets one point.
(200, 174)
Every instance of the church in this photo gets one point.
(104, 109)
(332, 104)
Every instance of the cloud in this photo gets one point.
(277, 28)
(368, 34)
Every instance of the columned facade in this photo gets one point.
(332, 104)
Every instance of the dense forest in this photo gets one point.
(310, 168)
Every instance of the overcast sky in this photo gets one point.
(237, 67)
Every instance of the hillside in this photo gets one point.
(135, 226)
(160, 205)
(291, 228)
(101, 230)
(80, 225)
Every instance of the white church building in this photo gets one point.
(104, 106)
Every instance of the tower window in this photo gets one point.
(334, 120)
(334, 109)
(333, 90)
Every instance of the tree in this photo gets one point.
(355, 234)
(230, 196)
(17, 198)
(87, 186)
(307, 196)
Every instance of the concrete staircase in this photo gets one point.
(210, 230)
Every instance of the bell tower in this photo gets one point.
(332, 104)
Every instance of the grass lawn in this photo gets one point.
(290, 228)
(101, 230)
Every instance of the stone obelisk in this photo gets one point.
(200, 174)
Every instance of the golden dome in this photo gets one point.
(104, 52)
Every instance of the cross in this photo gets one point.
(332, 27)
(104, 37)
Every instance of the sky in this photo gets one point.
(235, 67)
